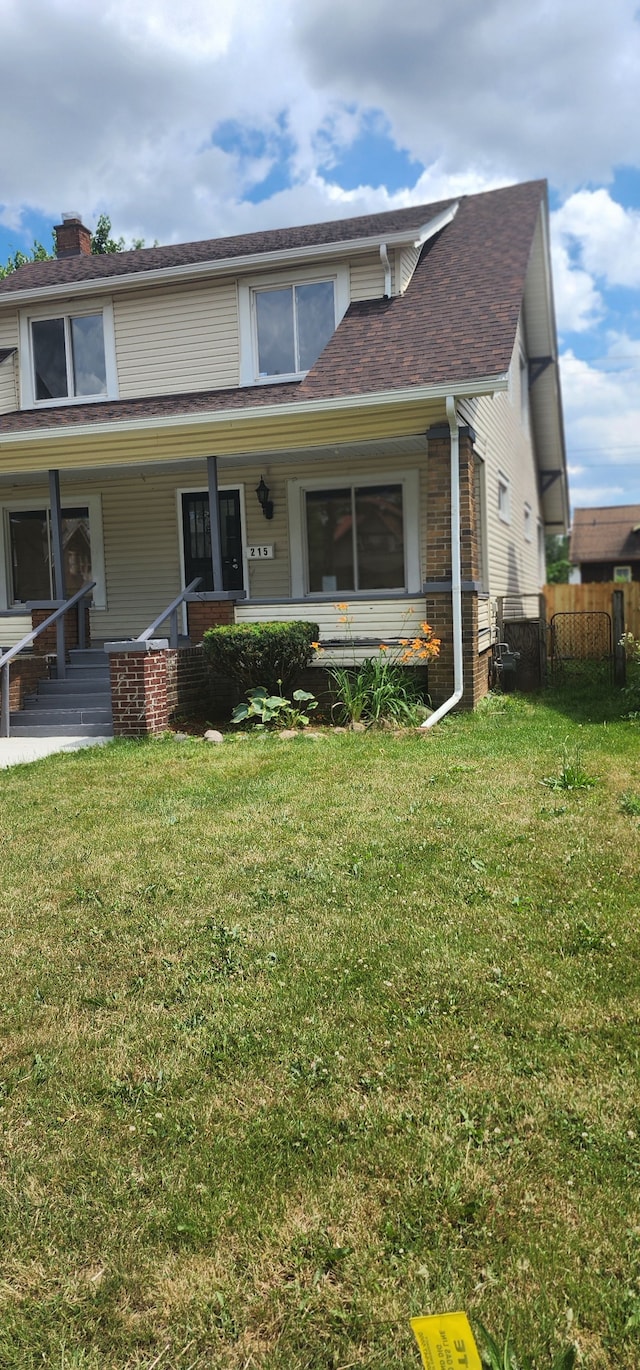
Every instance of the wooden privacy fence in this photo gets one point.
(595, 597)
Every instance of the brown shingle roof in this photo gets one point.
(456, 322)
(81, 269)
(150, 407)
(605, 534)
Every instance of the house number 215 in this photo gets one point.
(260, 552)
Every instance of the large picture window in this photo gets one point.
(355, 539)
(26, 559)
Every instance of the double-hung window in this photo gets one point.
(68, 355)
(286, 324)
(355, 537)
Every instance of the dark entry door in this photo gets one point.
(197, 539)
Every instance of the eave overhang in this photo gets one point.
(235, 266)
(258, 413)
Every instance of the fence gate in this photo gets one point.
(521, 625)
(581, 647)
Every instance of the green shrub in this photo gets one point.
(268, 655)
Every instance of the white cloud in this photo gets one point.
(579, 305)
(602, 421)
(114, 106)
(605, 236)
(529, 90)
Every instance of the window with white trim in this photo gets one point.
(286, 323)
(355, 537)
(622, 573)
(504, 498)
(26, 570)
(68, 355)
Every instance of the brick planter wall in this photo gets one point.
(46, 642)
(25, 672)
(208, 613)
(139, 694)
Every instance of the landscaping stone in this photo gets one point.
(212, 735)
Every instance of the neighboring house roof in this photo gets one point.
(605, 534)
(6, 352)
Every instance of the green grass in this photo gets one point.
(301, 1039)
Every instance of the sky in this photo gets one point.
(209, 117)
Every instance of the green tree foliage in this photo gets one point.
(558, 564)
(101, 242)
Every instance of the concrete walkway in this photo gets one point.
(16, 751)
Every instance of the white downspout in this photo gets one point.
(456, 575)
(384, 258)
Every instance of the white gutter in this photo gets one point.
(417, 394)
(235, 266)
(456, 573)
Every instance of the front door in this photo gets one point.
(197, 539)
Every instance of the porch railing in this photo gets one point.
(56, 617)
(171, 613)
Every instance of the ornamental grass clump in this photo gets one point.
(380, 689)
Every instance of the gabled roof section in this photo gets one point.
(401, 224)
(458, 318)
(6, 352)
(607, 534)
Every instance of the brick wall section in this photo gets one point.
(46, 642)
(208, 613)
(139, 694)
(25, 672)
(188, 685)
(438, 567)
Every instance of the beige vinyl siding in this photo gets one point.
(141, 534)
(375, 620)
(408, 262)
(8, 386)
(367, 278)
(9, 337)
(13, 628)
(506, 446)
(171, 341)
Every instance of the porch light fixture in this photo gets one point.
(262, 491)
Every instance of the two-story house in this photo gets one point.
(277, 413)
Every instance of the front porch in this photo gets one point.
(354, 537)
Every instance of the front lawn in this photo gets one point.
(303, 1038)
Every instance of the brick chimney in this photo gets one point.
(72, 238)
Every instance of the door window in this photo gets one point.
(197, 539)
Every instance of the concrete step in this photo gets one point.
(88, 656)
(72, 686)
(52, 717)
(61, 730)
(87, 673)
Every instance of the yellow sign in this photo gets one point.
(446, 1342)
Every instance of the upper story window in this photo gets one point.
(504, 498)
(293, 325)
(284, 326)
(68, 356)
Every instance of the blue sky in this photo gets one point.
(191, 121)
